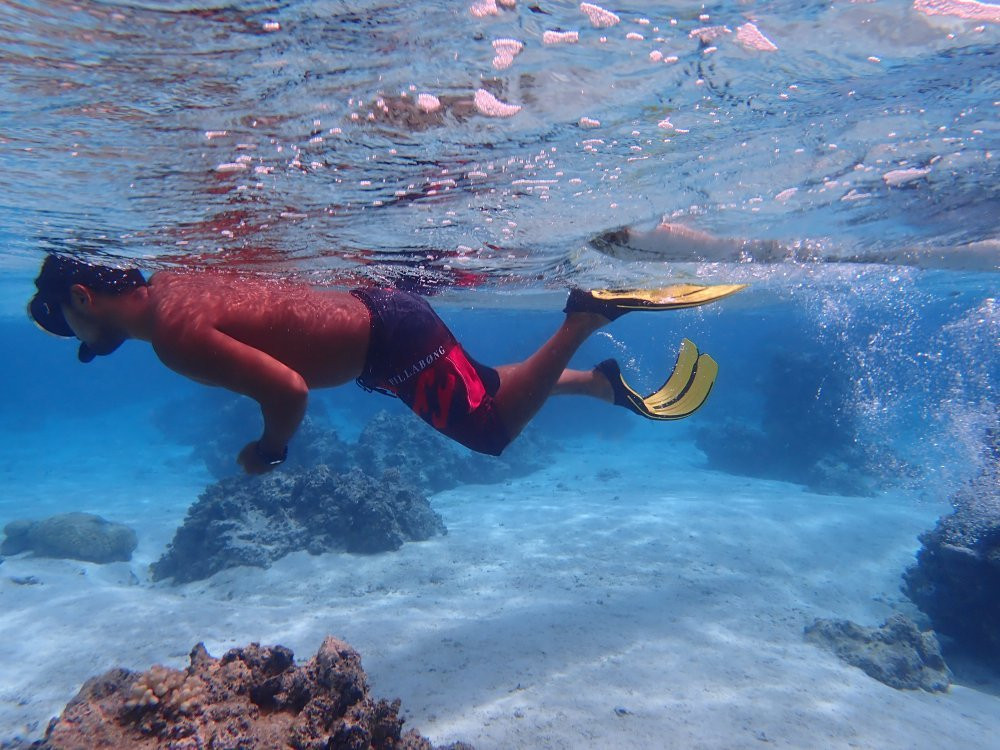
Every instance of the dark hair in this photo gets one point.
(59, 273)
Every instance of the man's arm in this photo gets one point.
(209, 356)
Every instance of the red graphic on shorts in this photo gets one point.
(452, 378)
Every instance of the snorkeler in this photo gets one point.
(275, 341)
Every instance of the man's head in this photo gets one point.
(65, 304)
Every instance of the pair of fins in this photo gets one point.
(693, 376)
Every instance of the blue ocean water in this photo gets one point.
(848, 176)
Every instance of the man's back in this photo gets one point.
(322, 335)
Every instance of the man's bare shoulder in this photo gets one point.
(176, 294)
(198, 293)
(168, 280)
(185, 307)
(223, 283)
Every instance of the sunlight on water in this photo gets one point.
(302, 139)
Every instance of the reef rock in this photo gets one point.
(253, 697)
(76, 536)
(256, 520)
(897, 653)
(956, 580)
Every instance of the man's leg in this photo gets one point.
(524, 387)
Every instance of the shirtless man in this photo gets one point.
(275, 341)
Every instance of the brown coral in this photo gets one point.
(253, 697)
(169, 690)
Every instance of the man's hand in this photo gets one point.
(251, 461)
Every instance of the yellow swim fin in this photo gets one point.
(614, 303)
(700, 385)
(685, 391)
(680, 378)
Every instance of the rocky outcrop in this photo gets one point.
(898, 653)
(956, 579)
(74, 536)
(256, 520)
(325, 498)
(253, 697)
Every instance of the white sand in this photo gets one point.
(672, 592)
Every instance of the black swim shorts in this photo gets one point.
(413, 355)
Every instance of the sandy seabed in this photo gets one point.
(626, 597)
